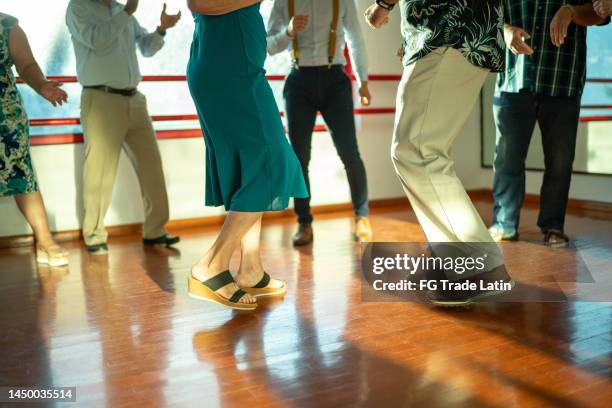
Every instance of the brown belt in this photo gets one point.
(108, 89)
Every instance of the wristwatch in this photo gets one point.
(385, 5)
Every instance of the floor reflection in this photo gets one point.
(27, 313)
(133, 336)
(123, 330)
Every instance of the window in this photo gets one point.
(52, 48)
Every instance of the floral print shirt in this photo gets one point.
(473, 27)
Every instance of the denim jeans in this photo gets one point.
(327, 90)
(515, 116)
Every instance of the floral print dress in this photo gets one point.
(16, 173)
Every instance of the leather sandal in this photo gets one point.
(50, 257)
(207, 290)
(262, 289)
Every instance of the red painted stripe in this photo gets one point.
(373, 111)
(384, 77)
(168, 118)
(181, 78)
(178, 134)
(62, 79)
(76, 138)
(596, 119)
(55, 122)
(46, 140)
(164, 78)
(596, 107)
(600, 80)
(67, 79)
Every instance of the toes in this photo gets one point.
(248, 299)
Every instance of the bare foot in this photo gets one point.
(201, 272)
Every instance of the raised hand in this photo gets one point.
(131, 6)
(603, 7)
(376, 16)
(515, 40)
(297, 25)
(167, 21)
(52, 91)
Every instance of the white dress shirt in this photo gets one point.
(314, 40)
(105, 41)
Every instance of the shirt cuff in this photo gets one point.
(282, 39)
(361, 75)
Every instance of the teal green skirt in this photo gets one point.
(250, 165)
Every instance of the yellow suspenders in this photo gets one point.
(331, 48)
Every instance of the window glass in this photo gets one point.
(52, 48)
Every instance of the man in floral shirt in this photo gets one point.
(474, 28)
(450, 47)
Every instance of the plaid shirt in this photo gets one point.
(550, 70)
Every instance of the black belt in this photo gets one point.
(108, 89)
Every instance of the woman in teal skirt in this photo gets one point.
(250, 166)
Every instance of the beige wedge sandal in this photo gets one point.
(207, 290)
(48, 258)
(261, 289)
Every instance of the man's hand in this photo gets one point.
(559, 25)
(51, 91)
(376, 16)
(167, 21)
(515, 40)
(131, 6)
(297, 25)
(603, 8)
(364, 94)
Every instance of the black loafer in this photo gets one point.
(165, 241)
(99, 249)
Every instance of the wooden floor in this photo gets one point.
(124, 332)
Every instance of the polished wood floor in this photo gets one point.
(124, 332)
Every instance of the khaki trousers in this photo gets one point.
(435, 98)
(111, 123)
